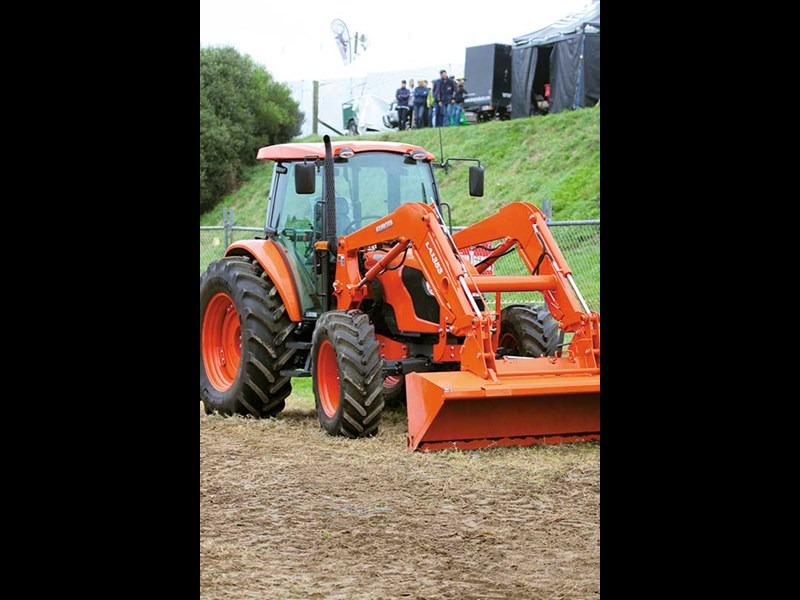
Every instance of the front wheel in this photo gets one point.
(347, 369)
(394, 391)
(529, 330)
(351, 127)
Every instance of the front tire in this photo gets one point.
(347, 369)
(243, 330)
(529, 330)
(394, 391)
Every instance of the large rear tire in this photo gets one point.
(347, 371)
(529, 330)
(243, 330)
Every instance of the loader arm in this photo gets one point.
(418, 226)
(524, 225)
(513, 400)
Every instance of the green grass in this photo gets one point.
(249, 202)
(555, 157)
(303, 393)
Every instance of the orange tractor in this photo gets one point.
(360, 285)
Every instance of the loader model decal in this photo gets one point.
(384, 225)
(434, 258)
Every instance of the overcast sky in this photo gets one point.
(293, 40)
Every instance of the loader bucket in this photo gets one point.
(534, 401)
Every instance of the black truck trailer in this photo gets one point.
(487, 70)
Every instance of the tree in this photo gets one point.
(242, 108)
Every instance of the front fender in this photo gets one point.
(274, 264)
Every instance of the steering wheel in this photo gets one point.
(351, 227)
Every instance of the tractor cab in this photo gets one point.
(371, 180)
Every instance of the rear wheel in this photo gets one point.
(347, 369)
(243, 330)
(529, 330)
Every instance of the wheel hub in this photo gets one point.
(221, 341)
(328, 379)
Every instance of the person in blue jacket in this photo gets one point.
(420, 97)
(444, 94)
(402, 95)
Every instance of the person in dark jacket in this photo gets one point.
(444, 93)
(411, 104)
(420, 97)
(458, 107)
(402, 95)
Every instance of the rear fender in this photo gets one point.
(271, 259)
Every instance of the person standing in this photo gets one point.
(420, 98)
(445, 93)
(402, 95)
(430, 105)
(411, 102)
(458, 107)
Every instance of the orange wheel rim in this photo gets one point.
(508, 341)
(392, 381)
(221, 342)
(327, 379)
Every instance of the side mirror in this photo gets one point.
(305, 178)
(476, 181)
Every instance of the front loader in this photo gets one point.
(359, 284)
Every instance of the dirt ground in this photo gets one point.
(287, 511)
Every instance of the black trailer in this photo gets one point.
(487, 70)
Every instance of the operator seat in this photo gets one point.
(342, 215)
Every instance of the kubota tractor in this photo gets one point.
(359, 284)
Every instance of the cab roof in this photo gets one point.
(300, 151)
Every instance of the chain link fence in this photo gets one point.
(214, 240)
(212, 245)
(579, 242)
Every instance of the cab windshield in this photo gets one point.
(368, 187)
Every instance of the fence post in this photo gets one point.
(547, 209)
(225, 225)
